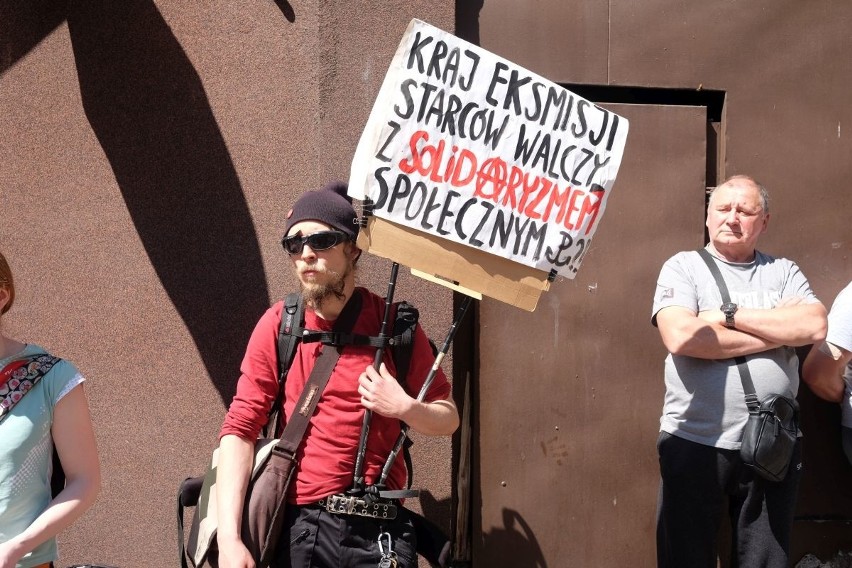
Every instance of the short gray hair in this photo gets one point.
(764, 195)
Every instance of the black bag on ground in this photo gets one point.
(770, 436)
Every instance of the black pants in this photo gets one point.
(696, 482)
(319, 539)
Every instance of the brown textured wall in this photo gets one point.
(148, 152)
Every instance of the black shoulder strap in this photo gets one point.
(403, 334)
(717, 274)
(294, 431)
(745, 375)
(292, 318)
(404, 326)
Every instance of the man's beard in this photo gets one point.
(315, 294)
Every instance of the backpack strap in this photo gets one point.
(404, 325)
(292, 317)
(340, 339)
(292, 320)
(292, 331)
(403, 331)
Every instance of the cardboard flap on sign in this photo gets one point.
(455, 263)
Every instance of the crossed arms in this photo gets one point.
(704, 335)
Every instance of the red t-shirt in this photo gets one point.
(326, 458)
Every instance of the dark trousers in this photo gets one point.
(697, 480)
(319, 539)
(846, 437)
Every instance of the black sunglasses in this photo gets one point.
(322, 240)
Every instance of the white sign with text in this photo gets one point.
(467, 146)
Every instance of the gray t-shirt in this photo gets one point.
(840, 334)
(704, 397)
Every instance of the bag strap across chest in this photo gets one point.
(294, 431)
(19, 377)
(751, 399)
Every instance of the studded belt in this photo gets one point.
(341, 504)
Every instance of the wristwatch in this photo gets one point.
(729, 309)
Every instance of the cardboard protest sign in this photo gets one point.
(467, 147)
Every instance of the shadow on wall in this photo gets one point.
(515, 541)
(23, 24)
(467, 19)
(147, 107)
(286, 10)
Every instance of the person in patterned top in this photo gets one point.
(42, 407)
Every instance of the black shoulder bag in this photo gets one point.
(773, 423)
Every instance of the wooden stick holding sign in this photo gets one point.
(473, 272)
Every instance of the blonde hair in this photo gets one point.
(7, 282)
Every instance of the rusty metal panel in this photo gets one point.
(678, 43)
(570, 396)
(786, 71)
(563, 41)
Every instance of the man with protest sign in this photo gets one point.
(828, 366)
(320, 239)
(772, 310)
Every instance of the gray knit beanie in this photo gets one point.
(330, 205)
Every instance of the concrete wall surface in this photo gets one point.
(148, 153)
